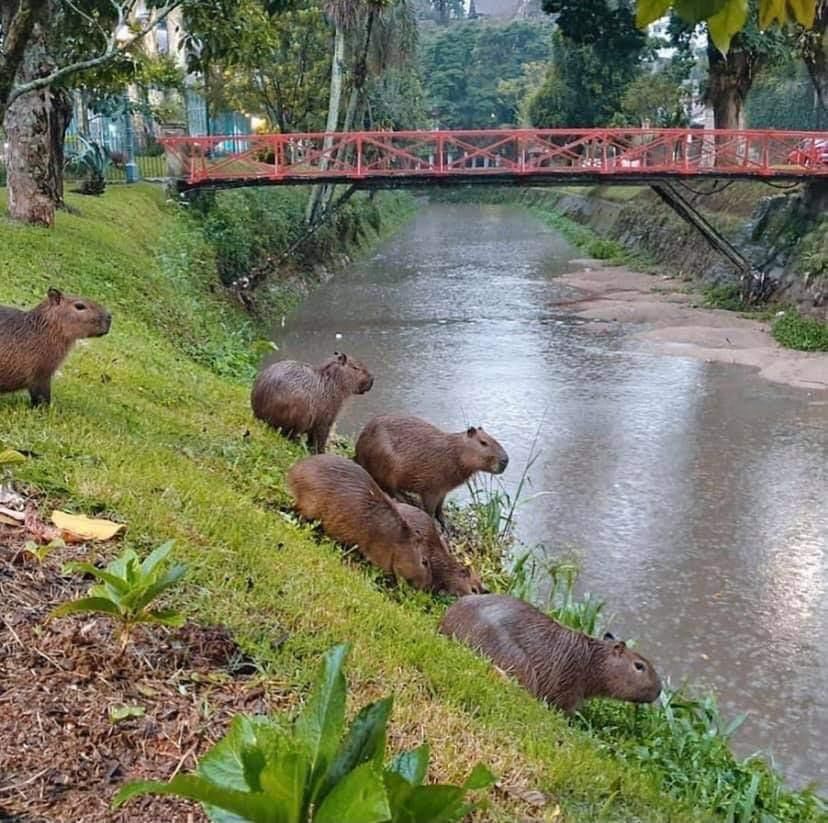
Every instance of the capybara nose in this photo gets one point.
(502, 465)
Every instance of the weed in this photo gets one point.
(127, 590)
(794, 331)
(724, 296)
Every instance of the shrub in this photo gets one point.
(794, 331)
(264, 773)
(90, 163)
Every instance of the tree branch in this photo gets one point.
(111, 51)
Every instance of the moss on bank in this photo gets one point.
(151, 425)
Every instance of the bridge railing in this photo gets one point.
(411, 155)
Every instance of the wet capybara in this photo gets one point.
(34, 343)
(560, 666)
(448, 574)
(297, 398)
(355, 511)
(407, 454)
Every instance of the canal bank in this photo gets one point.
(151, 426)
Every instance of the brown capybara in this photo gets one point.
(298, 398)
(355, 511)
(448, 574)
(560, 666)
(34, 343)
(407, 454)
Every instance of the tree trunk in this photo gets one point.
(61, 117)
(815, 57)
(31, 178)
(729, 81)
(334, 100)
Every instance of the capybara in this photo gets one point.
(407, 454)
(34, 343)
(298, 398)
(355, 511)
(560, 666)
(448, 574)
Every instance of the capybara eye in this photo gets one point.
(80, 306)
(639, 666)
(484, 442)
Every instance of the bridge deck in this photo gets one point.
(520, 156)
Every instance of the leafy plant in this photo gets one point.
(40, 553)
(127, 590)
(794, 331)
(90, 164)
(263, 772)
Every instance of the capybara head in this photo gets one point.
(75, 317)
(353, 373)
(463, 581)
(629, 676)
(489, 455)
(411, 559)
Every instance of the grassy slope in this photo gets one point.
(141, 431)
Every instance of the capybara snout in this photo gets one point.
(493, 457)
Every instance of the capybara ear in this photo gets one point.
(471, 431)
(619, 648)
(341, 357)
(54, 295)
(609, 636)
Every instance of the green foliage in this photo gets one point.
(90, 164)
(466, 66)
(782, 97)
(127, 590)
(727, 296)
(40, 553)
(655, 100)
(263, 773)
(795, 331)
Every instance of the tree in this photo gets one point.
(813, 45)
(654, 100)
(46, 45)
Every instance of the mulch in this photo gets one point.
(62, 757)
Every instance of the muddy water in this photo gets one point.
(694, 494)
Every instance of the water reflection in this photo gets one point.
(693, 493)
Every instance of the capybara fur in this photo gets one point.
(34, 343)
(448, 574)
(354, 510)
(407, 454)
(560, 666)
(297, 398)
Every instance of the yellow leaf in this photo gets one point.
(85, 528)
(647, 11)
(10, 456)
(771, 11)
(804, 11)
(726, 23)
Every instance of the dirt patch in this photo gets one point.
(674, 326)
(62, 757)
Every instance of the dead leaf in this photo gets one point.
(9, 521)
(81, 527)
(532, 797)
(37, 528)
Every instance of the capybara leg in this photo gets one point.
(318, 439)
(438, 514)
(41, 393)
(434, 506)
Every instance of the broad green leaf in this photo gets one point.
(358, 798)
(412, 766)
(364, 742)
(284, 779)
(156, 557)
(120, 566)
(728, 22)
(119, 584)
(87, 604)
(118, 713)
(647, 11)
(140, 598)
(772, 11)
(255, 808)
(804, 11)
(166, 617)
(696, 10)
(223, 764)
(480, 778)
(397, 790)
(432, 804)
(319, 725)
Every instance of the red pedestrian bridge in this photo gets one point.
(497, 156)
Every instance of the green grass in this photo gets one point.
(795, 331)
(151, 425)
